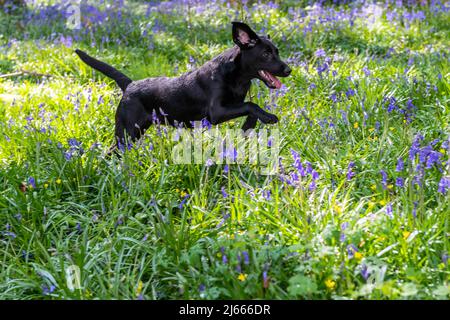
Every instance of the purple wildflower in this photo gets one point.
(246, 258)
(32, 182)
(445, 258)
(350, 173)
(225, 217)
(47, 290)
(224, 193)
(206, 124)
(350, 92)
(400, 165)
(366, 71)
(383, 178)
(266, 194)
(399, 182)
(351, 249)
(365, 272)
(183, 201)
(389, 210)
(444, 185)
(415, 147)
(297, 163)
(320, 53)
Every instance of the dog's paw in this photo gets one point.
(268, 118)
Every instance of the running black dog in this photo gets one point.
(215, 91)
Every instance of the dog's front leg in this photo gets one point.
(219, 114)
(250, 123)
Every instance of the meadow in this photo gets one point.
(359, 209)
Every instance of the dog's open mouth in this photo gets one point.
(269, 79)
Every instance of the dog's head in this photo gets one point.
(260, 56)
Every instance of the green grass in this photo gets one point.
(120, 220)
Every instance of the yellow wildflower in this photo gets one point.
(337, 208)
(58, 181)
(45, 185)
(358, 255)
(330, 284)
(382, 202)
(139, 288)
(242, 277)
(356, 125)
(406, 234)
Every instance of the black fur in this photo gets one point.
(215, 91)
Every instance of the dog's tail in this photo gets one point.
(122, 80)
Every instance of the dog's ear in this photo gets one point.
(244, 36)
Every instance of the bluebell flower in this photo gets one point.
(206, 124)
(399, 182)
(389, 210)
(350, 173)
(32, 182)
(221, 223)
(400, 165)
(351, 249)
(383, 178)
(444, 185)
(180, 206)
(365, 272)
(415, 147)
(350, 92)
(444, 258)
(320, 53)
(48, 289)
(246, 257)
(224, 193)
(366, 71)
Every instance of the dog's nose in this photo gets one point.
(287, 71)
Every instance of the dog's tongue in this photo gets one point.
(275, 81)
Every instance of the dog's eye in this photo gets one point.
(266, 54)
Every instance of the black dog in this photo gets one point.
(215, 91)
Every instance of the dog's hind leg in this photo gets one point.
(131, 122)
